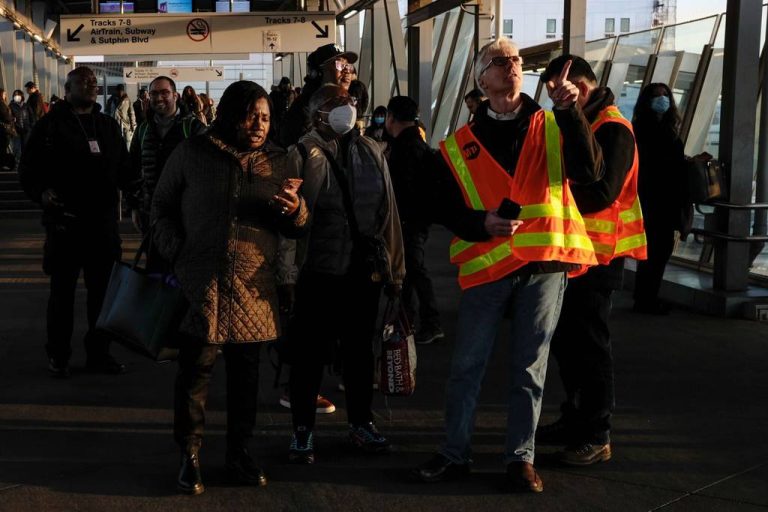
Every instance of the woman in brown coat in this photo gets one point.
(220, 203)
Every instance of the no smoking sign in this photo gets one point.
(198, 30)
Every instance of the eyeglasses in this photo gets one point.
(166, 93)
(502, 61)
(341, 66)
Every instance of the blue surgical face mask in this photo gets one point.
(378, 120)
(660, 104)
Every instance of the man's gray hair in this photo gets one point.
(499, 44)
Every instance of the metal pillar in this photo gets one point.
(8, 55)
(24, 63)
(737, 137)
(498, 21)
(575, 27)
(397, 46)
(760, 226)
(382, 58)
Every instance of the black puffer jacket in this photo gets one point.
(149, 152)
(58, 156)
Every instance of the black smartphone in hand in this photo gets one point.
(508, 209)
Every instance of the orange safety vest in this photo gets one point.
(552, 229)
(617, 231)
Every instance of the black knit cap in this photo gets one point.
(403, 109)
(234, 106)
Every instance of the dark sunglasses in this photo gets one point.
(502, 61)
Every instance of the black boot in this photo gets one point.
(242, 470)
(190, 480)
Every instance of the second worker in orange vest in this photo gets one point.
(512, 150)
(582, 344)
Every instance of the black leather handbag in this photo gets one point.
(142, 311)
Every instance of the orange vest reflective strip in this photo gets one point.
(617, 231)
(553, 229)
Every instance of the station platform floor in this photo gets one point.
(690, 429)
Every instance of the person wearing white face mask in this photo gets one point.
(353, 250)
(21, 123)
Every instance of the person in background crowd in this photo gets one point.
(473, 99)
(582, 344)
(114, 100)
(35, 104)
(409, 160)
(327, 64)
(346, 182)
(492, 171)
(54, 99)
(191, 101)
(141, 106)
(7, 133)
(73, 165)
(662, 188)
(376, 129)
(156, 138)
(209, 113)
(220, 203)
(359, 93)
(20, 114)
(125, 117)
(282, 99)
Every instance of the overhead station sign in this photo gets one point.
(164, 34)
(177, 73)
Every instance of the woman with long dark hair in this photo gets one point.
(221, 201)
(193, 104)
(661, 187)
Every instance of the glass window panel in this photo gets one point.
(597, 54)
(551, 26)
(508, 25)
(610, 25)
(629, 65)
(454, 79)
(625, 24)
(444, 24)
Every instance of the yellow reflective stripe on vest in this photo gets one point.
(531, 211)
(634, 213)
(551, 240)
(631, 242)
(454, 153)
(614, 114)
(603, 248)
(486, 260)
(459, 246)
(599, 225)
(554, 164)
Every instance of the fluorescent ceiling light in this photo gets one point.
(350, 14)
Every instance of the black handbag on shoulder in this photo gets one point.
(142, 311)
(706, 180)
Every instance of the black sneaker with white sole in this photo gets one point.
(427, 335)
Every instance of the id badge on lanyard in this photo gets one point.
(94, 146)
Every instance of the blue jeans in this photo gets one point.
(534, 303)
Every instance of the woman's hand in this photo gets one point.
(287, 200)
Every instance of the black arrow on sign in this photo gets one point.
(218, 73)
(128, 74)
(323, 31)
(72, 36)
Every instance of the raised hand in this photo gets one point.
(562, 91)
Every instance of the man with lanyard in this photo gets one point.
(154, 141)
(581, 344)
(73, 165)
(509, 261)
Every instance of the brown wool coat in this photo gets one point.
(213, 219)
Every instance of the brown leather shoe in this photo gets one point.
(522, 477)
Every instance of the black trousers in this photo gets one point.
(417, 283)
(195, 371)
(68, 250)
(661, 242)
(333, 313)
(581, 346)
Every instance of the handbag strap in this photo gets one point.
(144, 246)
(341, 178)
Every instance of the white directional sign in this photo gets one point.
(166, 34)
(183, 74)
